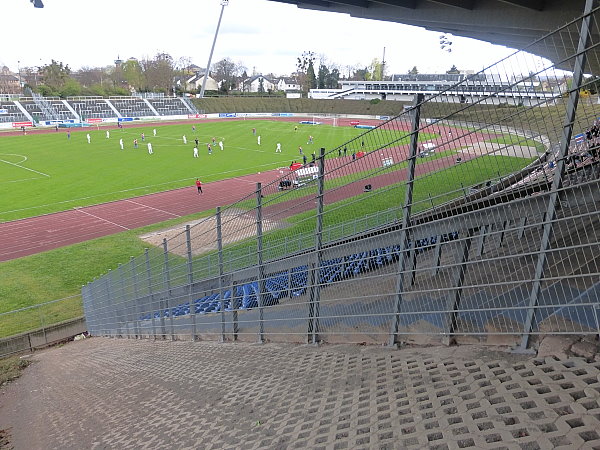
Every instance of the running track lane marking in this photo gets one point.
(151, 207)
(100, 218)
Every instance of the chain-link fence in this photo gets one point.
(473, 214)
(37, 326)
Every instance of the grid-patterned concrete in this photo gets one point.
(119, 393)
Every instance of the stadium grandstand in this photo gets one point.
(457, 88)
(489, 235)
(16, 111)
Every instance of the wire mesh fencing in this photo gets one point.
(37, 326)
(473, 215)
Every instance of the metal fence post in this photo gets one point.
(111, 306)
(406, 219)
(315, 264)
(150, 290)
(550, 214)
(167, 276)
(126, 314)
(234, 312)
(188, 240)
(259, 263)
(136, 295)
(220, 250)
(462, 259)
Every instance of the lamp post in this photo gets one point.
(20, 83)
(224, 3)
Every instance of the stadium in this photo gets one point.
(464, 220)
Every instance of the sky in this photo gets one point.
(264, 36)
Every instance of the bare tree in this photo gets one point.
(159, 73)
(224, 71)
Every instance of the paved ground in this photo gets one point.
(119, 393)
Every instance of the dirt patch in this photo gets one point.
(494, 149)
(236, 226)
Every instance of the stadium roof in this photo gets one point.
(512, 23)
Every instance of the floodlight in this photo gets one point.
(224, 2)
(37, 3)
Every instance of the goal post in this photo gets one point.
(326, 120)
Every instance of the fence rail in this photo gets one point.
(455, 220)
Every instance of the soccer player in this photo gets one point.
(154, 132)
(199, 186)
(184, 140)
(107, 134)
(89, 139)
(221, 144)
(278, 149)
(258, 139)
(195, 152)
(209, 148)
(121, 143)
(150, 148)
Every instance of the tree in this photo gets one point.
(158, 73)
(453, 70)
(333, 80)
(55, 76)
(323, 76)
(261, 86)
(224, 71)
(311, 79)
(244, 78)
(306, 71)
(413, 71)
(133, 74)
(70, 88)
(360, 74)
(375, 71)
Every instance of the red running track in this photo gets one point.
(29, 236)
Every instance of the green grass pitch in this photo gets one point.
(45, 173)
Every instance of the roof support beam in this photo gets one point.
(536, 5)
(411, 4)
(464, 4)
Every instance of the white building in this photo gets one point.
(253, 84)
(287, 84)
(195, 82)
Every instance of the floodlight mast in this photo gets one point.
(224, 3)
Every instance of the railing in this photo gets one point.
(491, 231)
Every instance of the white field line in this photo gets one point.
(100, 218)
(20, 162)
(155, 209)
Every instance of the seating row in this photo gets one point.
(295, 282)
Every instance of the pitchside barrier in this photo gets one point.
(493, 237)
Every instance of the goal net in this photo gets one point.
(325, 120)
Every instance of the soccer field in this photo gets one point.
(45, 173)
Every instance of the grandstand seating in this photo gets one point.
(14, 113)
(61, 109)
(132, 107)
(95, 108)
(293, 284)
(168, 106)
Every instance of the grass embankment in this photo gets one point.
(302, 105)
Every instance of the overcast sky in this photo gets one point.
(263, 35)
